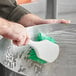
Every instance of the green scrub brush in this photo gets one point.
(32, 53)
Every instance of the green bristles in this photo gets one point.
(34, 57)
(32, 53)
(41, 37)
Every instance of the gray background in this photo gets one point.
(65, 9)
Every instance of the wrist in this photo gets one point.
(3, 26)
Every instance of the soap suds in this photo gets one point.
(18, 62)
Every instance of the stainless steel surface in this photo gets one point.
(65, 65)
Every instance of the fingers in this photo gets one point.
(26, 41)
(16, 42)
(64, 21)
(21, 41)
(52, 21)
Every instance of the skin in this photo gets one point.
(14, 31)
(31, 20)
(17, 31)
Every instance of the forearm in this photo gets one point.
(4, 24)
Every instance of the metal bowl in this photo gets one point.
(14, 59)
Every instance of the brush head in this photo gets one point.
(33, 56)
(42, 36)
(47, 55)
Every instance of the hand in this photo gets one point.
(31, 19)
(16, 32)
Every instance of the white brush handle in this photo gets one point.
(45, 50)
(32, 43)
(35, 44)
